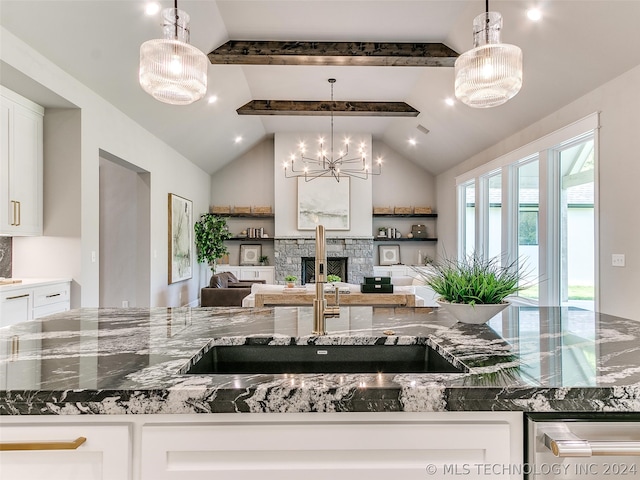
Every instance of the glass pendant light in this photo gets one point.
(171, 70)
(491, 73)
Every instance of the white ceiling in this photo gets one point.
(577, 46)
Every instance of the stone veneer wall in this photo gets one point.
(5, 257)
(289, 252)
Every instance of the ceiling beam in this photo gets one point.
(240, 52)
(323, 108)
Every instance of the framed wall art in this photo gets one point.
(180, 239)
(389, 254)
(323, 201)
(250, 254)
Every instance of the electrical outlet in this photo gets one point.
(617, 259)
(93, 257)
(125, 303)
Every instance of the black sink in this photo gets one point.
(322, 359)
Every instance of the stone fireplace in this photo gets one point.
(355, 253)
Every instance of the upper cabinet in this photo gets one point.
(20, 165)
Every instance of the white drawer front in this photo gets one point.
(341, 451)
(106, 454)
(51, 294)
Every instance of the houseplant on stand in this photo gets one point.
(474, 289)
(210, 234)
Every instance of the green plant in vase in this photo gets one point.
(264, 260)
(290, 279)
(211, 232)
(473, 285)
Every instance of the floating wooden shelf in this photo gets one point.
(404, 239)
(407, 215)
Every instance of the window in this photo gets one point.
(537, 205)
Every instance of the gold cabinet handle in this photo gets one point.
(72, 445)
(14, 204)
(17, 296)
(19, 214)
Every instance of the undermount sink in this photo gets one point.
(258, 359)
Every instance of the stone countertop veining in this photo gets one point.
(128, 361)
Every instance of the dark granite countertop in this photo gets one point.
(128, 361)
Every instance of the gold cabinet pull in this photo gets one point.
(72, 445)
(14, 204)
(17, 296)
(19, 214)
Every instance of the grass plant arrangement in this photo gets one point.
(333, 278)
(475, 280)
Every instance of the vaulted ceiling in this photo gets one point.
(577, 46)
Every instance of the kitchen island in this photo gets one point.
(127, 367)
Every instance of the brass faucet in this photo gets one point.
(320, 309)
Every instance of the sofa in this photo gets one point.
(225, 290)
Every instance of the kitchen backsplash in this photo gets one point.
(5, 256)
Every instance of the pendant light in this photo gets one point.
(491, 73)
(171, 70)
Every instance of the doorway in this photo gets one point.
(125, 219)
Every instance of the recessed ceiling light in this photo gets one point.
(238, 139)
(213, 99)
(412, 142)
(152, 8)
(534, 14)
(449, 101)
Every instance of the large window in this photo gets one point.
(537, 206)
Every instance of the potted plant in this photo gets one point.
(264, 260)
(290, 279)
(474, 289)
(210, 234)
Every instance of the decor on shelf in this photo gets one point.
(180, 238)
(328, 163)
(250, 254)
(171, 70)
(211, 233)
(491, 73)
(473, 289)
(324, 202)
(389, 254)
(290, 279)
(264, 260)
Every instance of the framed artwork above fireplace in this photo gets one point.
(323, 201)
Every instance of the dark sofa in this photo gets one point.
(225, 290)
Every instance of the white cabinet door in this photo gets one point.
(320, 451)
(16, 306)
(258, 273)
(21, 165)
(105, 455)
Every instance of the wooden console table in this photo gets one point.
(354, 298)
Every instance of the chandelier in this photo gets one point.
(171, 70)
(328, 163)
(491, 73)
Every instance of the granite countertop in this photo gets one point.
(128, 361)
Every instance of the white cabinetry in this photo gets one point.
(249, 272)
(21, 139)
(258, 273)
(325, 447)
(312, 446)
(105, 455)
(32, 300)
(16, 306)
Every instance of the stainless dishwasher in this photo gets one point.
(582, 446)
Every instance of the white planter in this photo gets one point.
(476, 314)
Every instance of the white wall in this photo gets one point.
(104, 127)
(619, 171)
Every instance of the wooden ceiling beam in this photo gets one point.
(323, 108)
(241, 52)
